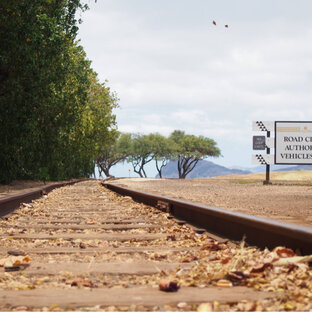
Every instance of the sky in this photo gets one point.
(172, 68)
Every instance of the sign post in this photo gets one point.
(267, 169)
(262, 143)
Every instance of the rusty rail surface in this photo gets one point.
(261, 232)
(10, 203)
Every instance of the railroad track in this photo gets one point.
(8, 204)
(84, 248)
(261, 232)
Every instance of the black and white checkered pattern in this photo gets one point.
(261, 159)
(261, 126)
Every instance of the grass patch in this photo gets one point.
(245, 181)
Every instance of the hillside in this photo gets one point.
(261, 168)
(204, 169)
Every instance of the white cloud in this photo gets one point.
(172, 69)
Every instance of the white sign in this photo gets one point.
(293, 142)
(262, 126)
(263, 159)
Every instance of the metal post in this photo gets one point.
(267, 172)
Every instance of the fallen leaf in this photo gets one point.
(27, 205)
(237, 276)
(261, 267)
(256, 274)
(189, 259)
(82, 245)
(226, 260)
(91, 222)
(214, 23)
(224, 283)
(293, 260)
(171, 238)
(214, 258)
(247, 306)
(211, 245)
(283, 252)
(82, 283)
(169, 286)
(182, 305)
(205, 307)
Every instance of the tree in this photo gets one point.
(189, 149)
(141, 153)
(116, 152)
(162, 151)
(98, 127)
(54, 114)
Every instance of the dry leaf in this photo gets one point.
(205, 307)
(82, 283)
(261, 267)
(27, 205)
(91, 222)
(214, 23)
(189, 259)
(171, 238)
(237, 276)
(169, 286)
(293, 260)
(247, 306)
(82, 245)
(182, 305)
(226, 260)
(214, 258)
(283, 252)
(224, 283)
(211, 245)
(15, 261)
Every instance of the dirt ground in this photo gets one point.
(20, 187)
(23, 186)
(287, 201)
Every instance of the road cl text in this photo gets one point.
(297, 139)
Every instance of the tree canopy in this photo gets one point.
(113, 153)
(141, 149)
(54, 113)
(189, 149)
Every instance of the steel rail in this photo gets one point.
(257, 231)
(10, 203)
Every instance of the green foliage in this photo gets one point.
(162, 151)
(140, 149)
(43, 174)
(54, 114)
(189, 149)
(115, 152)
(141, 152)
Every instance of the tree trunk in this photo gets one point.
(106, 172)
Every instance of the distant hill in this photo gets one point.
(203, 169)
(292, 168)
(262, 168)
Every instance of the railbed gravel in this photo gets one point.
(280, 271)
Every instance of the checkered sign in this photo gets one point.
(263, 159)
(262, 126)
